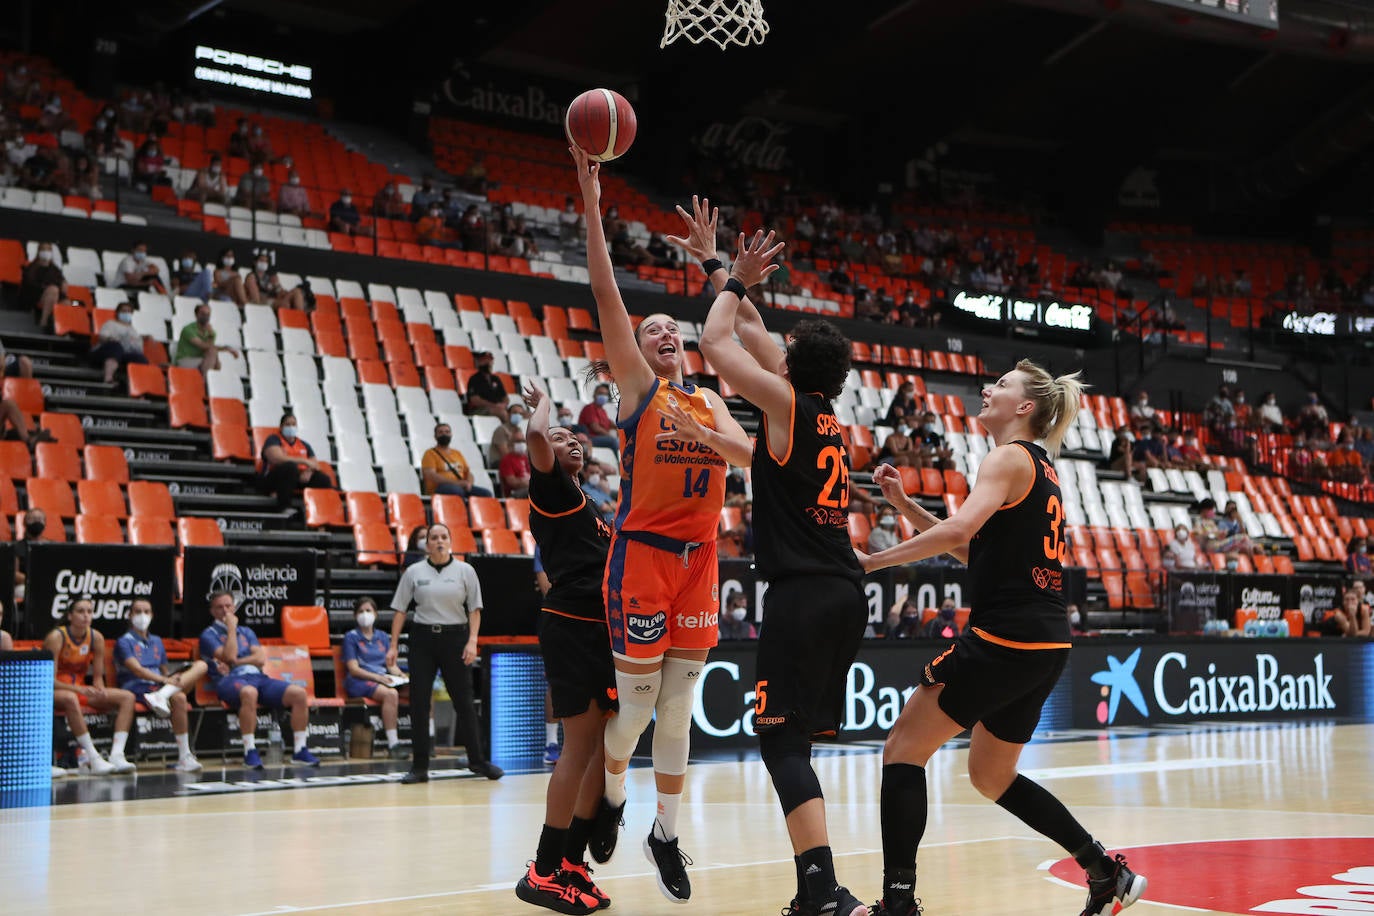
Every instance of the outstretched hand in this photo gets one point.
(752, 262)
(889, 480)
(686, 426)
(532, 395)
(588, 176)
(700, 240)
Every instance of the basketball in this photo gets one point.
(601, 123)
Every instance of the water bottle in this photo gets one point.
(274, 743)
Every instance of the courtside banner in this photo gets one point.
(263, 580)
(111, 575)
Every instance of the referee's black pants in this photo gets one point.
(440, 649)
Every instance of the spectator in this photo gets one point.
(596, 422)
(474, 180)
(472, 229)
(1364, 447)
(504, 434)
(238, 140)
(1181, 552)
(1213, 537)
(1151, 450)
(289, 464)
(571, 225)
(12, 365)
(292, 198)
(119, 343)
(209, 185)
(1142, 412)
(514, 467)
(43, 171)
(445, 470)
(236, 659)
(487, 395)
(1121, 457)
(595, 486)
(254, 190)
(904, 406)
(930, 444)
(430, 229)
(424, 198)
(943, 624)
(743, 533)
(196, 347)
(908, 623)
(143, 670)
(85, 178)
(898, 449)
(1192, 456)
(415, 544)
(515, 241)
(1313, 419)
(1345, 463)
(735, 490)
(1075, 620)
(884, 534)
(1352, 618)
(344, 216)
(387, 203)
(188, 278)
(100, 140)
(625, 251)
(1357, 561)
(79, 652)
(264, 287)
(42, 285)
(1220, 412)
(1270, 416)
(734, 623)
(259, 146)
(136, 273)
(225, 282)
(367, 673)
(1244, 412)
(150, 166)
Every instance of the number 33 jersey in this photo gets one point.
(1016, 562)
(801, 496)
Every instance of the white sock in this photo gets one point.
(665, 825)
(392, 738)
(298, 739)
(550, 732)
(250, 743)
(183, 745)
(431, 728)
(615, 787)
(87, 744)
(117, 747)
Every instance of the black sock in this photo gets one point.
(801, 879)
(1044, 813)
(902, 813)
(1094, 860)
(578, 831)
(549, 857)
(818, 873)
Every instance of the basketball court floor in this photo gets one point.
(1226, 818)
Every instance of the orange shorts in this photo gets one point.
(655, 603)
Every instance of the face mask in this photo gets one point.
(737, 614)
(262, 267)
(35, 529)
(214, 170)
(227, 262)
(365, 620)
(288, 432)
(947, 612)
(565, 419)
(601, 400)
(203, 320)
(126, 317)
(257, 173)
(345, 200)
(484, 367)
(888, 522)
(594, 480)
(442, 441)
(904, 430)
(295, 181)
(518, 448)
(188, 263)
(516, 420)
(1075, 618)
(140, 255)
(141, 622)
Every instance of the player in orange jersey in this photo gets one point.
(79, 650)
(661, 585)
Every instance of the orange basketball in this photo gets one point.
(601, 123)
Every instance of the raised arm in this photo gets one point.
(633, 376)
(537, 434)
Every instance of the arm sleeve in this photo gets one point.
(473, 587)
(405, 592)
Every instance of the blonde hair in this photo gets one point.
(1056, 403)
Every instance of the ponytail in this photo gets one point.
(1056, 403)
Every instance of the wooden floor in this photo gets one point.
(459, 845)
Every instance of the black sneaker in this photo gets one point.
(903, 908)
(554, 893)
(1115, 892)
(606, 824)
(579, 875)
(671, 864)
(487, 769)
(840, 903)
(414, 776)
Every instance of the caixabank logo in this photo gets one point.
(1227, 681)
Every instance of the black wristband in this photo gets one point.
(711, 265)
(734, 286)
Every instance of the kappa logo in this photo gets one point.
(1118, 681)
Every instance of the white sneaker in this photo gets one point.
(188, 764)
(58, 772)
(95, 765)
(121, 764)
(158, 704)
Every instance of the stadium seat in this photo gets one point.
(149, 530)
(323, 508)
(911, 480)
(53, 531)
(185, 409)
(98, 529)
(307, 625)
(197, 531)
(365, 508)
(27, 393)
(65, 427)
(60, 462)
(517, 514)
(450, 511)
(406, 511)
(501, 541)
(9, 499)
(106, 462)
(101, 497)
(462, 542)
(150, 499)
(932, 482)
(859, 528)
(376, 545)
(146, 381)
(484, 512)
(229, 441)
(52, 495)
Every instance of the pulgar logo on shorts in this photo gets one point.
(111, 595)
(258, 590)
(639, 628)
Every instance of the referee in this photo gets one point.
(448, 615)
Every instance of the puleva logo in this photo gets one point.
(1118, 681)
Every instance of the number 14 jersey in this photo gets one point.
(801, 496)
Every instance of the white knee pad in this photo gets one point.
(673, 728)
(638, 693)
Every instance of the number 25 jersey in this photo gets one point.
(1016, 563)
(801, 497)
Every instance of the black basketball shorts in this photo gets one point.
(812, 627)
(577, 663)
(1002, 687)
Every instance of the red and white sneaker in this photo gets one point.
(554, 892)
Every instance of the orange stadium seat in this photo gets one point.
(450, 511)
(52, 495)
(148, 530)
(65, 427)
(376, 545)
(98, 529)
(15, 460)
(229, 441)
(196, 531)
(405, 511)
(150, 499)
(323, 507)
(61, 462)
(485, 512)
(101, 497)
(500, 540)
(106, 462)
(365, 508)
(306, 625)
(146, 381)
(27, 393)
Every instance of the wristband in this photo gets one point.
(711, 265)
(734, 286)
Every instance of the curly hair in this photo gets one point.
(818, 357)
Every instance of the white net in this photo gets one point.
(724, 22)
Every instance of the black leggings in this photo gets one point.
(285, 479)
(441, 651)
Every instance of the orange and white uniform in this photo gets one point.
(74, 658)
(662, 582)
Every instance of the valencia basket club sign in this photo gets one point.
(263, 580)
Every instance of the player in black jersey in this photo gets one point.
(996, 676)
(814, 611)
(573, 540)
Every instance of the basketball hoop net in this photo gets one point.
(724, 22)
